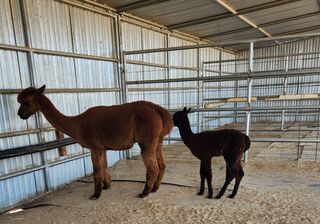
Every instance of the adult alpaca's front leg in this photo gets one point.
(97, 162)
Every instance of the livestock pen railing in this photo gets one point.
(249, 86)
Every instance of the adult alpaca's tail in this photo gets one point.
(166, 119)
(248, 143)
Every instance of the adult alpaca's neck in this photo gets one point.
(59, 121)
(186, 132)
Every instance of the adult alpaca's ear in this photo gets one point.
(41, 90)
(189, 110)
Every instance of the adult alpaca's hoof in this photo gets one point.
(217, 197)
(200, 193)
(106, 186)
(154, 190)
(143, 195)
(95, 196)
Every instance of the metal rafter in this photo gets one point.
(230, 14)
(245, 19)
(139, 4)
(262, 25)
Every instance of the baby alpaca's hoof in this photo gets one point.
(231, 196)
(209, 197)
(217, 197)
(200, 193)
(154, 190)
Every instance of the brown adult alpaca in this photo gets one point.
(229, 143)
(109, 127)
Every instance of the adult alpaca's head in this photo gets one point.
(28, 102)
(180, 117)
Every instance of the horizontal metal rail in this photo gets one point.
(275, 114)
(264, 57)
(266, 140)
(163, 89)
(55, 163)
(25, 150)
(174, 67)
(239, 76)
(314, 83)
(250, 108)
(161, 65)
(24, 132)
(222, 43)
(68, 90)
(107, 11)
(57, 53)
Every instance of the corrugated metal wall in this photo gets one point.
(54, 26)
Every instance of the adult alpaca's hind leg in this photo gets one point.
(106, 175)
(161, 164)
(97, 162)
(150, 161)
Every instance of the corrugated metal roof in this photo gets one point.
(178, 11)
(284, 11)
(206, 18)
(215, 27)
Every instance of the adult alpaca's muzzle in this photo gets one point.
(23, 116)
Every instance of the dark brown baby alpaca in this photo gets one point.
(229, 143)
(109, 127)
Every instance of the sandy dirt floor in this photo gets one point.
(272, 191)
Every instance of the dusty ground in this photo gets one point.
(272, 191)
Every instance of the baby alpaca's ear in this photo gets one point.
(189, 110)
(185, 109)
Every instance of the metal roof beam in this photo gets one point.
(230, 14)
(243, 18)
(261, 25)
(139, 4)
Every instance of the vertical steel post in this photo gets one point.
(251, 52)
(219, 83)
(236, 89)
(284, 93)
(199, 92)
(121, 70)
(31, 66)
(168, 72)
(118, 47)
